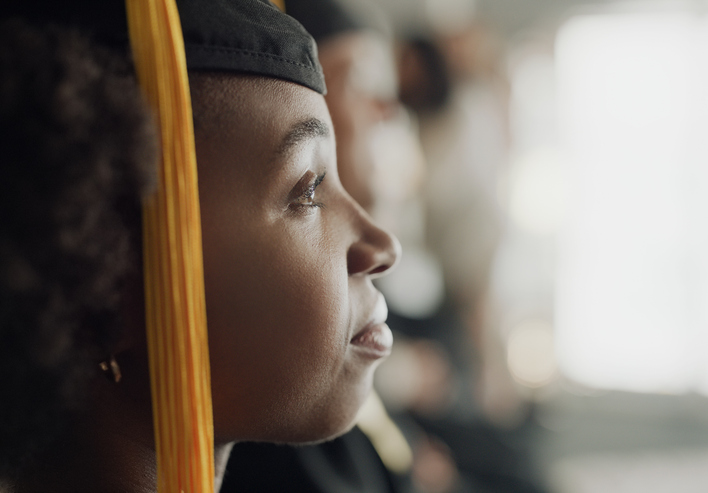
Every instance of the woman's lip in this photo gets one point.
(376, 337)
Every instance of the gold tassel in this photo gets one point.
(174, 272)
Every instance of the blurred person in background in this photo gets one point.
(444, 376)
(460, 102)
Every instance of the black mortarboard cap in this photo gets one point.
(242, 36)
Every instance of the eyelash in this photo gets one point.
(309, 194)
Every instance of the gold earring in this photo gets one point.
(111, 366)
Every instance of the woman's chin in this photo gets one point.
(321, 430)
(305, 420)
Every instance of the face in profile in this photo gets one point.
(296, 327)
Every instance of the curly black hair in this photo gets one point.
(78, 151)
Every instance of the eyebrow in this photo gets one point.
(301, 132)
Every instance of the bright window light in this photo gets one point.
(632, 291)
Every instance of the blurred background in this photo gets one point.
(554, 217)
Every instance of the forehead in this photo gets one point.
(228, 102)
(255, 137)
(252, 113)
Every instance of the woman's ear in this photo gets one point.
(125, 359)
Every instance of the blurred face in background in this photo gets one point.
(361, 85)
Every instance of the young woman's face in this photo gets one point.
(295, 325)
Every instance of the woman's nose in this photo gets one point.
(375, 251)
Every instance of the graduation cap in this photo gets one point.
(242, 36)
(167, 38)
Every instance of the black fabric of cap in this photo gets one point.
(242, 36)
(323, 18)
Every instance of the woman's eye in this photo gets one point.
(307, 198)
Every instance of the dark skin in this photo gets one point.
(289, 259)
(288, 272)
